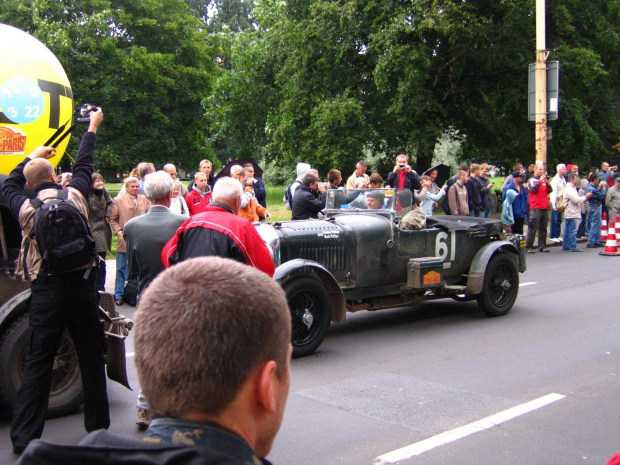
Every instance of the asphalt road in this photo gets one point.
(442, 381)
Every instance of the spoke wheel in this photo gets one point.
(66, 393)
(308, 302)
(501, 285)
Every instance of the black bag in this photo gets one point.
(63, 235)
(130, 294)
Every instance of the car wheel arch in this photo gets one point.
(296, 268)
(475, 276)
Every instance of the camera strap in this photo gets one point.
(59, 136)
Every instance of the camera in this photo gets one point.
(84, 113)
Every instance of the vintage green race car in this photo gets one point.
(358, 258)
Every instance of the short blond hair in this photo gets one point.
(37, 171)
(200, 333)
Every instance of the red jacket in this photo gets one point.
(539, 194)
(217, 231)
(196, 203)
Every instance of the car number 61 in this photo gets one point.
(441, 245)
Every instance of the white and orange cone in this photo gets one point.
(611, 246)
(604, 228)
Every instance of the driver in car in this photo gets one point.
(375, 200)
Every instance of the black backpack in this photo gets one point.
(63, 235)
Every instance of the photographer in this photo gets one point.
(403, 177)
(68, 299)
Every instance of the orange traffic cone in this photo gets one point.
(604, 228)
(611, 246)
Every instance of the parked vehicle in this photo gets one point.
(66, 393)
(359, 259)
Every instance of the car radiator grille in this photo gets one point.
(332, 258)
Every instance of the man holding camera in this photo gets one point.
(403, 177)
(58, 301)
(309, 199)
(539, 189)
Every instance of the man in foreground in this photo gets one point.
(68, 299)
(216, 373)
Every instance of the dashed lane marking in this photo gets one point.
(459, 433)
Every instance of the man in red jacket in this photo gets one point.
(219, 231)
(200, 196)
(540, 188)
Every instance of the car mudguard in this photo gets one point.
(475, 279)
(13, 306)
(300, 267)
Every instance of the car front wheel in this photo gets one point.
(310, 314)
(501, 285)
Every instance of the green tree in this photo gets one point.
(345, 78)
(219, 15)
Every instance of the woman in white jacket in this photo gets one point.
(572, 213)
(177, 202)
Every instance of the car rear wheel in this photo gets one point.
(501, 285)
(66, 393)
(308, 302)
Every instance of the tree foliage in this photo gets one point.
(338, 79)
(331, 81)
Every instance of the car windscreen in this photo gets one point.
(394, 200)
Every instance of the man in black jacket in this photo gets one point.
(473, 191)
(61, 300)
(309, 198)
(403, 177)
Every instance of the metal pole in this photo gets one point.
(541, 84)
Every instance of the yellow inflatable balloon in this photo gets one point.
(35, 97)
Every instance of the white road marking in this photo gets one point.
(527, 284)
(464, 431)
(130, 354)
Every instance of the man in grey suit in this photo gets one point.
(145, 236)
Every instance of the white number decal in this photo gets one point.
(32, 112)
(441, 246)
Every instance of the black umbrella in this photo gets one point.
(258, 171)
(443, 173)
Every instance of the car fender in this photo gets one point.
(15, 306)
(475, 279)
(301, 267)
